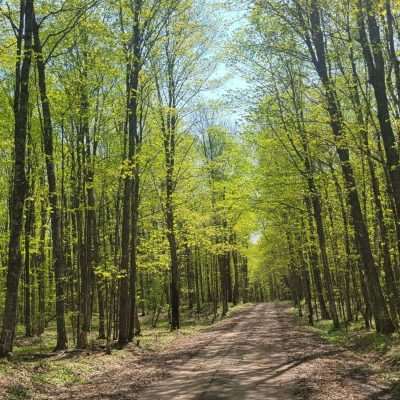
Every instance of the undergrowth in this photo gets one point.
(382, 350)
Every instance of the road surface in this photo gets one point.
(262, 355)
(259, 354)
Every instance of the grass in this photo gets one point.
(18, 392)
(59, 373)
(356, 337)
(382, 350)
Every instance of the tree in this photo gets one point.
(19, 188)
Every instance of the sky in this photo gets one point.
(230, 83)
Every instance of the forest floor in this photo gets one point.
(261, 352)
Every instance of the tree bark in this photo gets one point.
(19, 184)
(29, 234)
(55, 215)
(316, 46)
(373, 55)
(316, 273)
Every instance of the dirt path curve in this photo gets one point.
(264, 356)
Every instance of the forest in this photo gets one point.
(166, 161)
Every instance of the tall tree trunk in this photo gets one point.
(102, 308)
(392, 49)
(373, 55)
(19, 184)
(57, 242)
(347, 245)
(41, 266)
(130, 197)
(313, 255)
(175, 317)
(236, 277)
(196, 265)
(316, 46)
(316, 203)
(245, 274)
(133, 266)
(189, 276)
(86, 219)
(223, 262)
(29, 234)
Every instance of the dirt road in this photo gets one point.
(262, 355)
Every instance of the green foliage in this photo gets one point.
(18, 392)
(59, 373)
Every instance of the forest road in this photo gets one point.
(263, 355)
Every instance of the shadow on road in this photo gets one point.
(259, 354)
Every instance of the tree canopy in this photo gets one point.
(129, 189)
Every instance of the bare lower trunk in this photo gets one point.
(19, 185)
(57, 242)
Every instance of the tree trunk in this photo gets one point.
(19, 184)
(127, 266)
(29, 233)
(317, 50)
(245, 275)
(175, 318)
(133, 261)
(57, 242)
(316, 203)
(314, 263)
(223, 262)
(190, 277)
(41, 275)
(236, 277)
(372, 50)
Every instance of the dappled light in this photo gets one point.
(200, 199)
